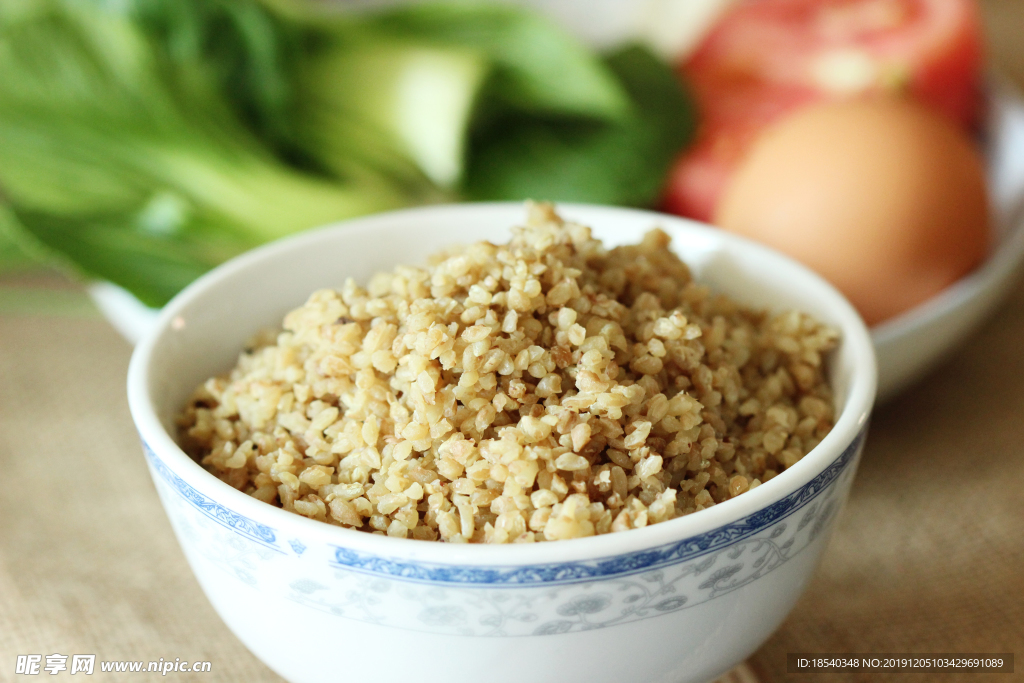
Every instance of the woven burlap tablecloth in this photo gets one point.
(928, 555)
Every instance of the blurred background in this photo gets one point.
(142, 142)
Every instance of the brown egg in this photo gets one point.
(884, 198)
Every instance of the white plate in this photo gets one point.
(907, 346)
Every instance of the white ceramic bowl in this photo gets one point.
(683, 600)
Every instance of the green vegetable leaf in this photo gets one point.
(17, 248)
(620, 162)
(537, 66)
(145, 141)
(133, 170)
(397, 105)
(12, 255)
(153, 267)
(241, 49)
(397, 90)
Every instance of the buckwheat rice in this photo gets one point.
(540, 390)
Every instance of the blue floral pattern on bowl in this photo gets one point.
(544, 599)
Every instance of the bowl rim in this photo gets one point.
(844, 436)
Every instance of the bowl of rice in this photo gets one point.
(520, 442)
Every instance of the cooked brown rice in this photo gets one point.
(540, 390)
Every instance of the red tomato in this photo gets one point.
(766, 57)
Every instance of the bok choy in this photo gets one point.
(145, 141)
(135, 172)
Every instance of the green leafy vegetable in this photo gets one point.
(537, 66)
(96, 133)
(18, 251)
(145, 141)
(247, 52)
(397, 105)
(400, 88)
(618, 162)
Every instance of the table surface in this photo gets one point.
(928, 555)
